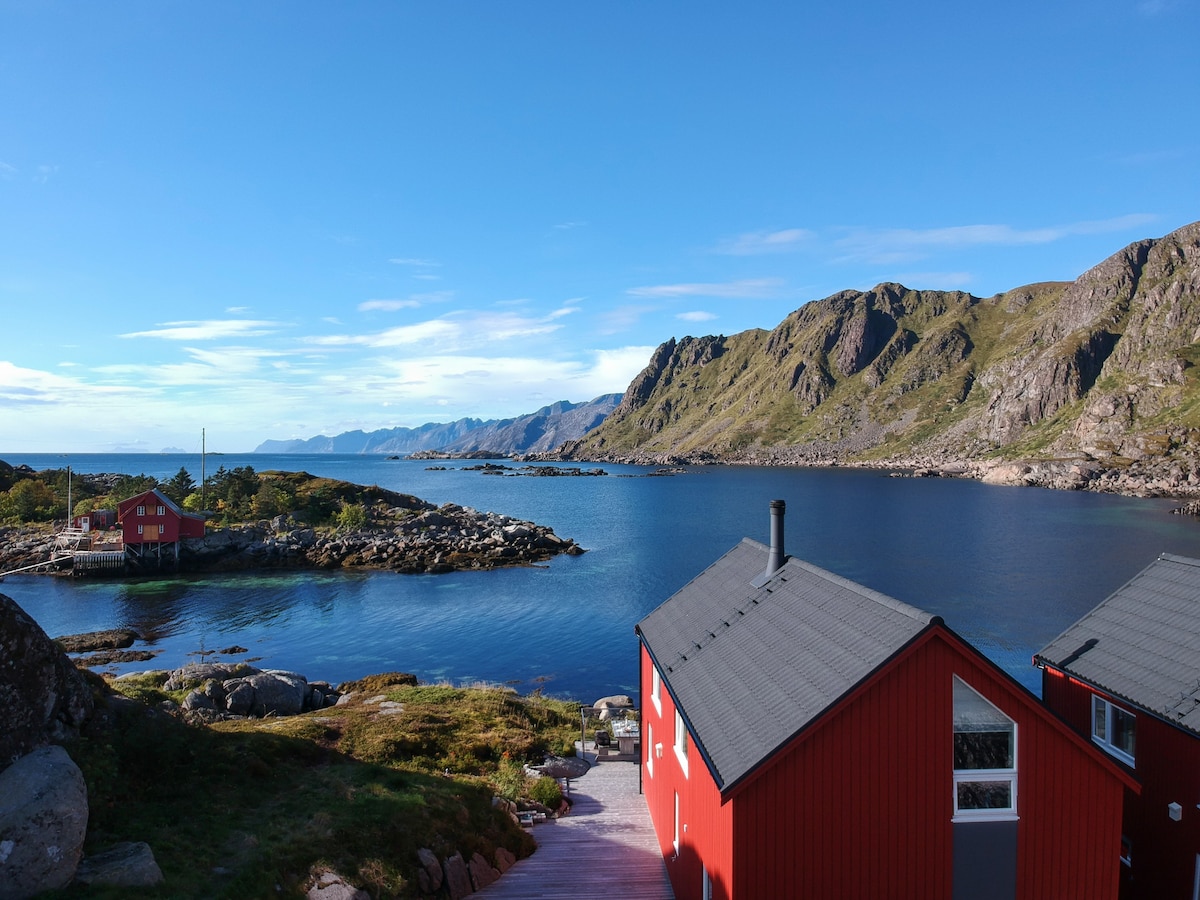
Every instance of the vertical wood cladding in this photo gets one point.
(1167, 766)
(859, 805)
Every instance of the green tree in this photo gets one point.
(179, 486)
(352, 516)
(269, 501)
(30, 500)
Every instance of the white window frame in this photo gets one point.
(675, 838)
(656, 688)
(141, 529)
(681, 743)
(650, 749)
(162, 510)
(140, 511)
(1104, 741)
(969, 776)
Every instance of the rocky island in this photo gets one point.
(329, 525)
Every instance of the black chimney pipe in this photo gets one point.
(776, 558)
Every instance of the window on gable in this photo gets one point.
(162, 510)
(985, 758)
(1113, 729)
(656, 689)
(141, 511)
(681, 742)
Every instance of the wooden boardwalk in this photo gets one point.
(605, 847)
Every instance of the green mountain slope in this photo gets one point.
(1101, 368)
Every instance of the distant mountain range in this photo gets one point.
(535, 432)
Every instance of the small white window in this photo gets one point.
(656, 689)
(681, 742)
(985, 758)
(650, 749)
(141, 511)
(140, 527)
(162, 510)
(1113, 729)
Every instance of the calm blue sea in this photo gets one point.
(1007, 568)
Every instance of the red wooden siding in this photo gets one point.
(171, 524)
(860, 805)
(707, 840)
(1167, 766)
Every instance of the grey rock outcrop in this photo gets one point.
(331, 886)
(43, 820)
(221, 690)
(129, 864)
(445, 539)
(43, 698)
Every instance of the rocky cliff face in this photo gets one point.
(43, 698)
(1101, 368)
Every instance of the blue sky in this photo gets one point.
(277, 220)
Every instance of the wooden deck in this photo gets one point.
(605, 847)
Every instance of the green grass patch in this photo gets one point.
(257, 808)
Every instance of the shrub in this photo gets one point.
(546, 792)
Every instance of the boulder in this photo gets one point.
(616, 701)
(43, 820)
(482, 872)
(239, 697)
(43, 698)
(505, 859)
(457, 877)
(130, 864)
(278, 693)
(429, 876)
(331, 886)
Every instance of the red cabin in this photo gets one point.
(1127, 677)
(805, 736)
(152, 525)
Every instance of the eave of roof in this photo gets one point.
(1142, 643)
(751, 667)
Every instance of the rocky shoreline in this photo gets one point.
(1170, 477)
(446, 539)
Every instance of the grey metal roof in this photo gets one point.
(1143, 642)
(749, 667)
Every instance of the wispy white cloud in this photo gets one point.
(43, 173)
(454, 332)
(213, 329)
(897, 245)
(7, 171)
(696, 316)
(567, 226)
(622, 318)
(756, 243)
(745, 289)
(387, 305)
(1156, 7)
(414, 262)
(21, 387)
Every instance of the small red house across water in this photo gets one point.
(152, 525)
